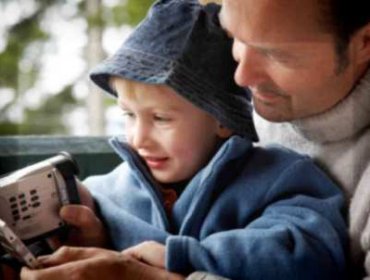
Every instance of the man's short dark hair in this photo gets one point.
(343, 18)
(348, 16)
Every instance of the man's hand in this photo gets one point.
(93, 263)
(150, 252)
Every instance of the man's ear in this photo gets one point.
(362, 38)
(223, 132)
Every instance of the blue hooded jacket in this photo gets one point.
(250, 213)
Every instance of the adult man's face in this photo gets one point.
(287, 57)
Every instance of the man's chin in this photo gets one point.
(272, 114)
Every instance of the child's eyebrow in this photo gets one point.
(164, 109)
(172, 109)
(121, 104)
(167, 109)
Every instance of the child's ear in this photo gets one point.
(223, 132)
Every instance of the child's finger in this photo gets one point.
(79, 216)
(87, 229)
(149, 252)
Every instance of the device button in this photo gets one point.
(36, 204)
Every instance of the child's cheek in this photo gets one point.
(183, 154)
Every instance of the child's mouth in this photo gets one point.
(155, 162)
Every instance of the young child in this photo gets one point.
(191, 179)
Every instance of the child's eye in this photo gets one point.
(128, 115)
(161, 118)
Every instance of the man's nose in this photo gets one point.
(250, 71)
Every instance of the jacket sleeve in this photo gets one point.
(200, 275)
(125, 209)
(126, 229)
(300, 234)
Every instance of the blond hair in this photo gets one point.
(204, 2)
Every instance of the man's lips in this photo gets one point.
(266, 96)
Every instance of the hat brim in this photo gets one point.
(132, 65)
(150, 69)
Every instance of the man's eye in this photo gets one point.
(278, 57)
(281, 58)
(284, 59)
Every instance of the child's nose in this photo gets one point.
(140, 135)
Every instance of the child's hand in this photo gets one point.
(87, 228)
(85, 196)
(150, 252)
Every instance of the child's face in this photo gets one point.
(175, 138)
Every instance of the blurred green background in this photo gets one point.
(46, 50)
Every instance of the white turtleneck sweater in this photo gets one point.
(339, 140)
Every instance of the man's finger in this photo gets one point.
(67, 254)
(62, 272)
(44, 274)
(103, 264)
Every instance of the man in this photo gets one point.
(307, 65)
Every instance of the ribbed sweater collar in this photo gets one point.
(348, 118)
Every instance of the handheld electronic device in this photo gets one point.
(15, 247)
(30, 200)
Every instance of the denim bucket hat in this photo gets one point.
(181, 44)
